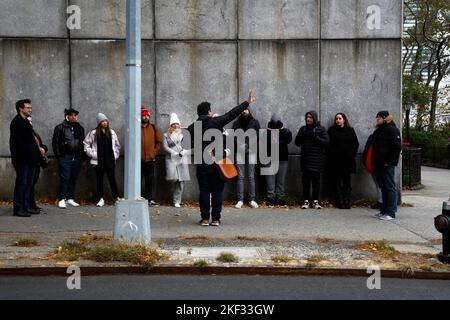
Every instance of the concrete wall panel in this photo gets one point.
(348, 19)
(37, 18)
(189, 73)
(284, 77)
(360, 78)
(275, 19)
(38, 70)
(98, 81)
(195, 19)
(107, 19)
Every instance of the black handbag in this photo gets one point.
(45, 161)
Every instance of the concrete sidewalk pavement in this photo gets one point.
(256, 234)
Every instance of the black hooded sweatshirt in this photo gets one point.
(284, 135)
(313, 140)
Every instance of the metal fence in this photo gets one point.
(436, 156)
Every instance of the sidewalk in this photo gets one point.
(258, 237)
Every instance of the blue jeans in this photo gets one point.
(69, 168)
(385, 177)
(24, 181)
(211, 188)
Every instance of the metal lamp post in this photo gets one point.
(132, 221)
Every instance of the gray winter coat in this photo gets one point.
(177, 168)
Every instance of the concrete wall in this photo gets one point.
(297, 55)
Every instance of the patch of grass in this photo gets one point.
(201, 263)
(89, 238)
(121, 252)
(195, 237)
(282, 259)
(246, 238)
(26, 242)
(429, 256)
(227, 257)
(313, 261)
(70, 251)
(327, 240)
(381, 248)
(407, 205)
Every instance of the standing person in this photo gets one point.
(177, 169)
(313, 139)
(37, 173)
(210, 183)
(103, 147)
(151, 142)
(367, 162)
(246, 160)
(275, 183)
(25, 157)
(342, 152)
(387, 146)
(67, 143)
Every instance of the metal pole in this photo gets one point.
(132, 222)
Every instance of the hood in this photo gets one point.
(314, 115)
(275, 122)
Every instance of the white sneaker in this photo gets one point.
(253, 204)
(317, 205)
(177, 205)
(305, 205)
(101, 203)
(62, 204)
(386, 217)
(153, 203)
(378, 215)
(72, 203)
(239, 205)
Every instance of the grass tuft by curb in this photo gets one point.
(247, 238)
(381, 248)
(70, 251)
(201, 263)
(282, 259)
(26, 242)
(227, 257)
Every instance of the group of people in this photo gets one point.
(339, 145)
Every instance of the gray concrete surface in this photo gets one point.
(201, 50)
(198, 19)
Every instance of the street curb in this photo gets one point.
(189, 270)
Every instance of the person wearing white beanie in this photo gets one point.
(177, 169)
(103, 147)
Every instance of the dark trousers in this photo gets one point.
(148, 172)
(386, 180)
(24, 182)
(32, 202)
(342, 188)
(69, 168)
(110, 173)
(211, 188)
(311, 178)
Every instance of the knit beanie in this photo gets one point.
(382, 114)
(174, 119)
(101, 117)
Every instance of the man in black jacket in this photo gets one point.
(25, 157)
(67, 146)
(313, 139)
(210, 182)
(386, 148)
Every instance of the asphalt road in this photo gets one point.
(210, 287)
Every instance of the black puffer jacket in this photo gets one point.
(246, 123)
(313, 140)
(284, 134)
(342, 150)
(68, 140)
(215, 123)
(386, 144)
(22, 144)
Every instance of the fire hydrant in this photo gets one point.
(442, 224)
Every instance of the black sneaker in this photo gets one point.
(270, 203)
(22, 213)
(281, 203)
